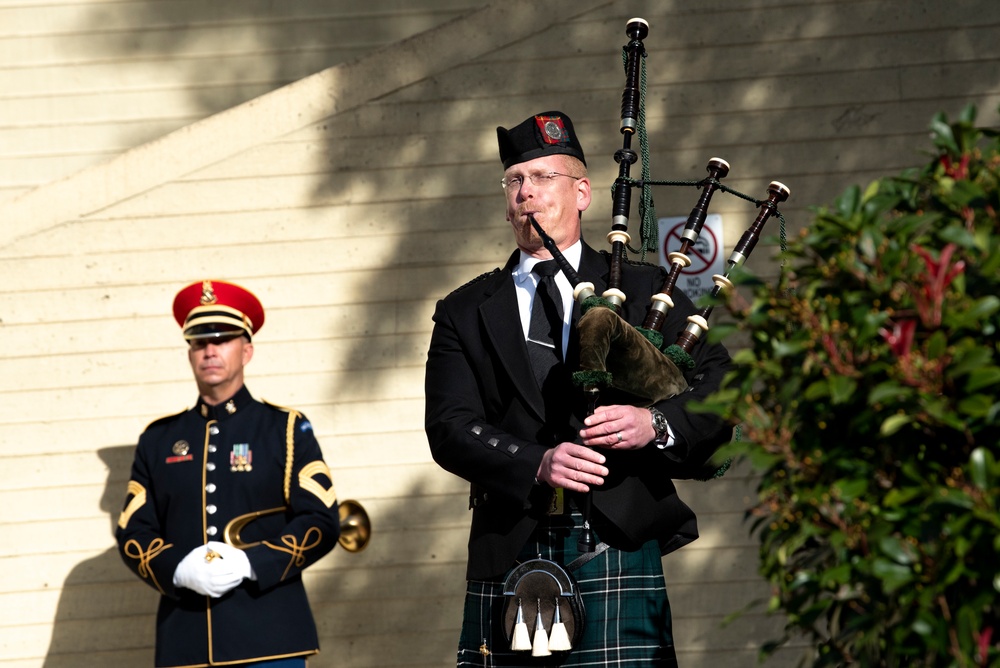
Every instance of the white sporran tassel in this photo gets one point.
(559, 639)
(520, 641)
(540, 645)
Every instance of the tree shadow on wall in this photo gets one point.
(397, 602)
(226, 52)
(104, 612)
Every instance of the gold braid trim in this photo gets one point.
(289, 446)
(138, 501)
(134, 550)
(289, 454)
(297, 551)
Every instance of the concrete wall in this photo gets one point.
(351, 200)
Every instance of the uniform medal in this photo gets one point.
(241, 458)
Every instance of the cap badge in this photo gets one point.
(241, 458)
(207, 293)
(552, 129)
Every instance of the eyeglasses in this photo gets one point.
(515, 181)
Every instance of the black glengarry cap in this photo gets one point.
(547, 133)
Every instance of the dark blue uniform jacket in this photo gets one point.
(193, 474)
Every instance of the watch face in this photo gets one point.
(659, 422)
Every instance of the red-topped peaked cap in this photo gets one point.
(214, 309)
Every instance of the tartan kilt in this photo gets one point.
(628, 615)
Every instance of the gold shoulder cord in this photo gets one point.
(289, 454)
(289, 446)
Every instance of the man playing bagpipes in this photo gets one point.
(502, 412)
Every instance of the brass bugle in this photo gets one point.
(355, 526)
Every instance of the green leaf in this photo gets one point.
(841, 574)
(817, 390)
(972, 316)
(787, 348)
(901, 496)
(893, 575)
(970, 358)
(982, 378)
(872, 190)
(894, 423)
(943, 136)
(978, 405)
(744, 357)
(842, 388)
(954, 497)
(890, 390)
(980, 467)
(848, 202)
(924, 624)
(959, 235)
(937, 345)
(968, 114)
(848, 490)
(965, 193)
(898, 550)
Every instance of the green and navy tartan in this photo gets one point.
(628, 615)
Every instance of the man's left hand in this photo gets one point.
(618, 428)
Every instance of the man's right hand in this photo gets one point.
(207, 572)
(572, 467)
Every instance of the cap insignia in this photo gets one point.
(207, 293)
(552, 128)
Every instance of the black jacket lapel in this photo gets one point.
(502, 323)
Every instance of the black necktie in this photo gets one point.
(546, 327)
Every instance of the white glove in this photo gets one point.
(236, 559)
(204, 570)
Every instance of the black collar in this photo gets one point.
(225, 409)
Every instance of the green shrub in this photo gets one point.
(869, 399)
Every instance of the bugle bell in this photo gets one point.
(355, 527)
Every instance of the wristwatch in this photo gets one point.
(659, 422)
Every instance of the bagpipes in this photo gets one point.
(637, 361)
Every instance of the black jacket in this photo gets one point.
(485, 420)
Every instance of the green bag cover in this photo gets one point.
(614, 352)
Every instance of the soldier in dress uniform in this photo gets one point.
(227, 504)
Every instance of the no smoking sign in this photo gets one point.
(705, 254)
